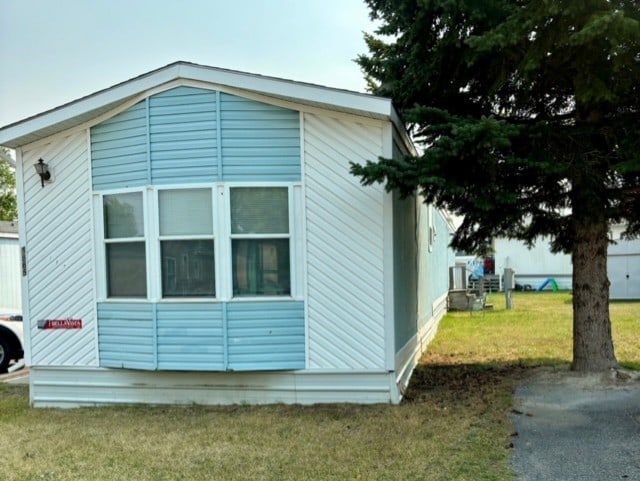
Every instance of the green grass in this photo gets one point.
(537, 331)
(453, 425)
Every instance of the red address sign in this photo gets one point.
(60, 324)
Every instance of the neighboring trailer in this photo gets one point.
(201, 240)
(535, 266)
(10, 278)
(623, 266)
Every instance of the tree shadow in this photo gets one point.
(463, 383)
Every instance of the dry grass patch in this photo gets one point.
(436, 437)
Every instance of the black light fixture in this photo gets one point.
(43, 171)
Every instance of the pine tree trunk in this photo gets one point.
(592, 341)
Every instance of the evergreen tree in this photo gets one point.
(529, 115)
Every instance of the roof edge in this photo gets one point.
(13, 135)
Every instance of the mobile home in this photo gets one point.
(194, 235)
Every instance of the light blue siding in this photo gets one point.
(187, 135)
(437, 262)
(266, 336)
(416, 265)
(190, 337)
(260, 142)
(237, 336)
(126, 337)
(119, 150)
(405, 269)
(183, 136)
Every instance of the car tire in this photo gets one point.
(5, 354)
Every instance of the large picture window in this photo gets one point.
(180, 242)
(125, 245)
(260, 241)
(186, 243)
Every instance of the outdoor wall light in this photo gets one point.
(43, 171)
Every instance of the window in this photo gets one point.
(180, 242)
(260, 241)
(125, 245)
(186, 243)
(431, 233)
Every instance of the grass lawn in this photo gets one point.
(453, 425)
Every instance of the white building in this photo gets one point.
(533, 266)
(10, 272)
(536, 265)
(623, 267)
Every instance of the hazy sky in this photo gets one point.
(55, 51)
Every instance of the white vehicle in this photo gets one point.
(11, 339)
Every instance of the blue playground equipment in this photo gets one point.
(550, 280)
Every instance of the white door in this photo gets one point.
(633, 276)
(624, 275)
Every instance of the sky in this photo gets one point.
(56, 51)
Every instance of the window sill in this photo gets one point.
(261, 298)
(192, 300)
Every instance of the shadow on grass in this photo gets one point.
(464, 383)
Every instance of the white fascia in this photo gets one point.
(343, 99)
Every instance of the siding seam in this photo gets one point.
(148, 129)
(220, 173)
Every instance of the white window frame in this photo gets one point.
(222, 238)
(230, 237)
(101, 242)
(158, 238)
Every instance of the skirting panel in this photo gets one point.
(75, 387)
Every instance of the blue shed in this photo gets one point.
(200, 239)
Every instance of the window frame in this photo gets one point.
(101, 242)
(222, 239)
(230, 237)
(431, 230)
(158, 238)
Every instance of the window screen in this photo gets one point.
(185, 212)
(126, 265)
(259, 210)
(187, 243)
(260, 241)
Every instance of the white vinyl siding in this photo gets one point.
(344, 245)
(58, 242)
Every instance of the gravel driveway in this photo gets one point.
(576, 427)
